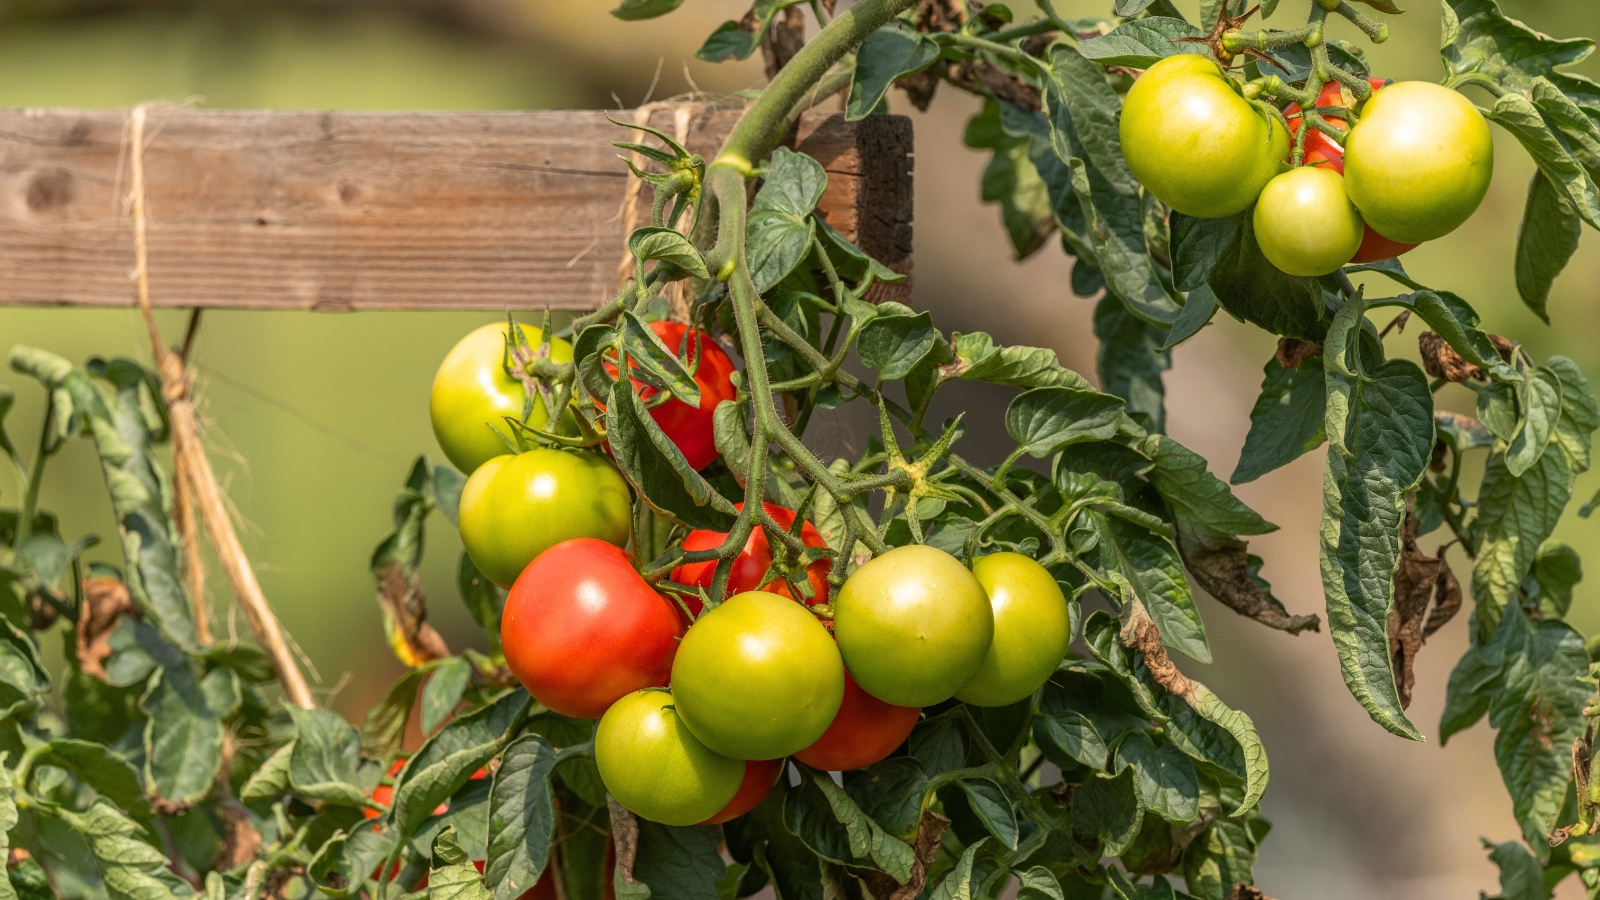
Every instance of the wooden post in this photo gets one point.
(340, 211)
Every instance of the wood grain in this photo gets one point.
(340, 211)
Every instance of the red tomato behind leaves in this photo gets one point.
(689, 427)
(751, 565)
(582, 629)
(1324, 151)
(760, 776)
(865, 731)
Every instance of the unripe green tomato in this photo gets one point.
(1032, 628)
(758, 677)
(1306, 224)
(913, 626)
(1194, 142)
(654, 766)
(472, 393)
(515, 507)
(1418, 161)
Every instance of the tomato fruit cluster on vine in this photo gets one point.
(698, 705)
(1412, 162)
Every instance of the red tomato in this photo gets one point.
(582, 629)
(750, 566)
(865, 731)
(1324, 151)
(690, 428)
(760, 775)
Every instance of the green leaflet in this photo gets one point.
(761, 841)
(655, 467)
(823, 815)
(989, 802)
(1539, 712)
(447, 760)
(1477, 39)
(522, 817)
(635, 10)
(731, 41)
(1199, 308)
(1546, 240)
(1222, 857)
(1108, 808)
(1196, 496)
(1580, 413)
(1130, 362)
(888, 54)
(1142, 43)
(1521, 875)
(271, 778)
(1044, 420)
(779, 230)
(184, 734)
(1152, 566)
(679, 863)
(326, 752)
(977, 358)
(890, 792)
(125, 419)
(99, 767)
(892, 345)
(1541, 409)
(1515, 516)
(652, 361)
(1519, 116)
(130, 867)
(1165, 776)
(1012, 180)
(1457, 322)
(1287, 419)
(958, 884)
(1381, 427)
(385, 725)
(1082, 113)
(452, 875)
(443, 692)
(20, 666)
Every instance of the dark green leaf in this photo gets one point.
(1580, 413)
(1519, 116)
(656, 467)
(890, 792)
(1074, 735)
(1457, 323)
(852, 263)
(857, 840)
(447, 760)
(271, 778)
(1287, 420)
(347, 860)
(937, 744)
(130, 868)
(1152, 567)
(1038, 884)
(1108, 808)
(1197, 313)
(184, 734)
(978, 359)
(1381, 427)
(484, 599)
(634, 10)
(779, 232)
(522, 817)
(888, 54)
(1142, 43)
(993, 808)
(1044, 420)
(1478, 39)
(729, 41)
(20, 665)
(1219, 859)
(1253, 290)
(1195, 495)
(1467, 695)
(1130, 361)
(1083, 111)
(958, 884)
(452, 875)
(1541, 410)
(1164, 775)
(1012, 179)
(661, 243)
(326, 752)
(440, 696)
(1546, 239)
(99, 767)
(760, 840)
(385, 726)
(1557, 569)
(1515, 516)
(893, 345)
(1198, 247)
(656, 362)
(1521, 876)
(679, 863)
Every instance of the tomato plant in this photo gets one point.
(516, 507)
(580, 628)
(1187, 168)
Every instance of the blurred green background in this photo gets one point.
(313, 419)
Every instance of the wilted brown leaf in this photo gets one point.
(104, 602)
(784, 38)
(405, 617)
(1293, 351)
(1222, 566)
(1242, 891)
(1440, 360)
(1420, 582)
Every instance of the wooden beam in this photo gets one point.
(339, 211)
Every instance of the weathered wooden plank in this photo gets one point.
(253, 209)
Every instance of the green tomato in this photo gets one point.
(1032, 628)
(1418, 161)
(473, 393)
(1194, 142)
(515, 507)
(656, 768)
(913, 626)
(1306, 224)
(758, 677)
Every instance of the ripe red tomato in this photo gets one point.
(865, 731)
(751, 565)
(582, 629)
(689, 427)
(760, 776)
(1324, 152)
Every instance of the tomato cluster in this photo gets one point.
(1413, 167)
(699, 707)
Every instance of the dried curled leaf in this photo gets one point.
(104, 602)
(1222, 565)
(1426, 596)
(1440, 360)
(1293, 351)
(925, 844)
